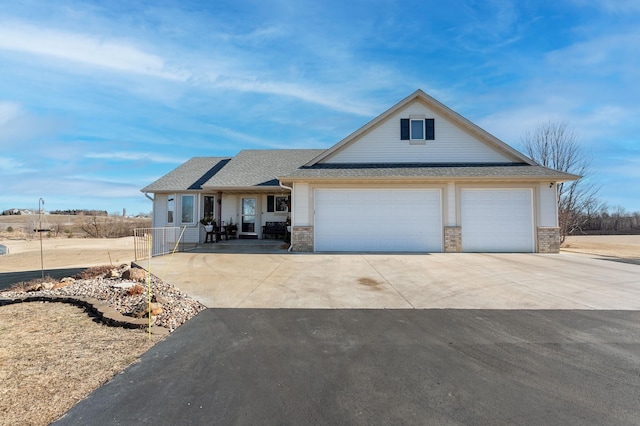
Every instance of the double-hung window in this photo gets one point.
(187, 209)
(417, 129)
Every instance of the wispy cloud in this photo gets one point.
(327, 99)
(18, 125)
(8, 111)
(10, 166)
(614, 52)
(135, 156)
(116, 55)
(74, 186)
(612, 6)
(227, 69)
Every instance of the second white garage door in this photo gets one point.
(497, 220)
(378, 220)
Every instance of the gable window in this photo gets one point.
(187, 204)
(171, 206)
(417, 129)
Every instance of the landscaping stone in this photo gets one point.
(109, 300)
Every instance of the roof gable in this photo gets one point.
(457, 140)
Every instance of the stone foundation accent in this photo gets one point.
(302, 238)
(548, 239)
(452, 239)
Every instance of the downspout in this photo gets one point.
(291, 212)
(146, 194)
(218, 208)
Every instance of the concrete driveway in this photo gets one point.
(404, 281)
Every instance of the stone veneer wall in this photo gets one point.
(452, 239)
(302, 238)
(548, 239)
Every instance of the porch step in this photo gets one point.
(243, 246)
(248, 237)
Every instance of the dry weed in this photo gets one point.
(53, 355)
(31, 284)
(94, 271)
(135, 290)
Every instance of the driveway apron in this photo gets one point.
(403, 281)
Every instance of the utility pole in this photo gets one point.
(40, 231)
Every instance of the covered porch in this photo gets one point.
(243, 215)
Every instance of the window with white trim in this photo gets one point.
(417, 129)
(187, 209)
(277, 203)
(171, 208)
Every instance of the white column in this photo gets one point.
(548, 210)
(451, 205)
(301, 215)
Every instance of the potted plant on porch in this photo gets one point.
(209, 223)
(231, 228)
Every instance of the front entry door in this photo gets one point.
(248, 215)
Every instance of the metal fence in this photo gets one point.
(157, 241)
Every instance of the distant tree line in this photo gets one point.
(80, 212)
(74, 212)
(601, 219)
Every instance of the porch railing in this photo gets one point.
(157, 241)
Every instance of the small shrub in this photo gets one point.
(30, 285)
(94, 271)
(9, 228)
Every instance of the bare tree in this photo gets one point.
(555, 144)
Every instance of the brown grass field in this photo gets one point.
(622, 246)
(54, 355)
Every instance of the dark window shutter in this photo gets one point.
(404, 129)
(271, 201)
(430, 130)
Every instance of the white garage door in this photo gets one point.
(378, 220)
(497, 220)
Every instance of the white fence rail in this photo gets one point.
(157, 241)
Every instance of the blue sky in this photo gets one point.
(99, 99)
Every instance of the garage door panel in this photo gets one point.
(378, 220)
(497, 220)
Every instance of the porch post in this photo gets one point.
(219, 208)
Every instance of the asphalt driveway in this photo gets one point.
(390, 281)
(363, 367)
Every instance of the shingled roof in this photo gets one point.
(515, 171)
(189, 176)
(250, 169)
(259, 168)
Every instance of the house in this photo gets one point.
(417, 178)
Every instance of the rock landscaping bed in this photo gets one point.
(55, 354)
(124, 289)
